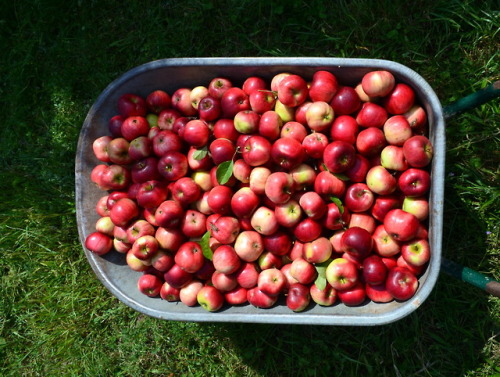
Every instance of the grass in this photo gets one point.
(57, 319)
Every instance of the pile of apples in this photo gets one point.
(312, 191)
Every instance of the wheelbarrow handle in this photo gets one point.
(472, 100)
(472, 277)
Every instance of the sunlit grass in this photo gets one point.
(57, 319)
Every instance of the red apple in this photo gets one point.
(169, 239)
(246, 121)
(378, 83)
(339, 156)
(358, 171)
(417, 117)
(133, 127)
(288, 214)
(150, 285)
(225, 229)
(345, 101)
(196, 133)
(362, 220)
(236, 296)
(383, 244)
(169, 214)
(130, 104)
(374, 270)
(324, 297)
(357, 242)
(115, 125)
(313, 205)
(158, 100)
(234, 100)
(287, 153)
(328, 185)
(165, 141)
(344, 128)
(319, 116)
(166, 120)
(118, 151)
(173, 166)
(342, 274)
(415, 270)
(314, 144)
(123, 212)
(162, 260)
(249, 245)
(177, 277)
(418, 151)
(209, 109)
(318, 250)
(371, 115)
(401, 283)
(401, 225)
(271, 281)
(323, 86)
(392, 158)
(218, 86)
(145, 170)
(303, 271)
(270, 125)
(262, 101)
(219, 199)
(294, 130)
(99, 243)
(210, 298)
(292, 90)
(307, 230)
(242, 170)
(224, 128)
(298, 297)
(336, 217)
(414, 182)
(254, 84)
(264, 221)
(380, 181)
(181, 101)
(359, 197)
(188, 294)
(370, 141)
(378, 293)
(400, 99)
(279, 187)
(244, 202)
(138, 229)
(145, 247)
(416, 252)
(353, 296)
(397, 130)
(169, 293)
(258, 178)
(256, 150)
(189, 257)
(247, 275)
(260, 299)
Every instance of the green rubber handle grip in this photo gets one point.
(472, 100)
(472, 277)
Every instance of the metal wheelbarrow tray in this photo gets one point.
(170, 74)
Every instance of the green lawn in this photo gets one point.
(56, 318)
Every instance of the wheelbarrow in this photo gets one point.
(112, 270)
